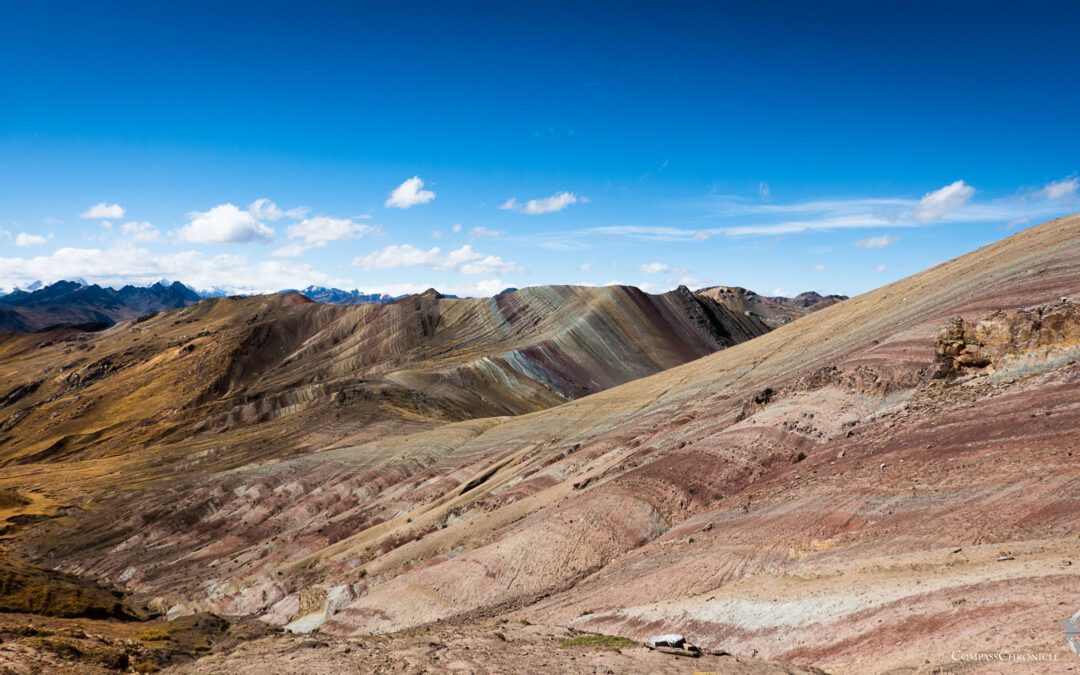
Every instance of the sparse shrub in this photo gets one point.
(146, 667)
(62, 649)
(798, 457)
(602, 641)
(585, 612)
(155, 636)
(500, 635)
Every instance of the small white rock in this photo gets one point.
(672, 640)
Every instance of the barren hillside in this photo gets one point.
(872, 486)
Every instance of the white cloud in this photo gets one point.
(24, 239)
(322, 229)
(407, 255)
(655, 268)
(877, 242)
(479, 232)
(1066, 187)
(934, 205)
(136, 231)
(456, 227)
(224, 224)
(437, 234)
(318, 231)
(763, 189)
(556, 202)
(409, 194)
(264, 209)
(464, 260)
(491, 264)
(879, 268)
(293, 250)
(584, 267)
(820, 268)
(1017, 222)
(125, 263)
(561, 244)
(103, 210)
(535, 207)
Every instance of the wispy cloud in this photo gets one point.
(102, 210)
(264, 209)
(482, 232)
(139, 231)
(23, 239)
(727, 216)
(877, 242)
(321, 229)
(655, 268)
(1060, 189)
(464, 260)
(536, 207)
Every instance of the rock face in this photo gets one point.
(963, 345)
(775, 311)
(665, 504)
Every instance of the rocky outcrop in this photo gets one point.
(964, 345)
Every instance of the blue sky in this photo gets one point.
(780, 146)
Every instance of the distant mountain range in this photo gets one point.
(336, 296)
(89, 306)
(93, 307)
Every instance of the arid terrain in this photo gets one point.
(875, 486)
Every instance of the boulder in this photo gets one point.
(671, 640)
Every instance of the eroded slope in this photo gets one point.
(803, 494)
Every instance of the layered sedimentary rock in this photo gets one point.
(775, 311)
(862, 515)
(239, 378)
